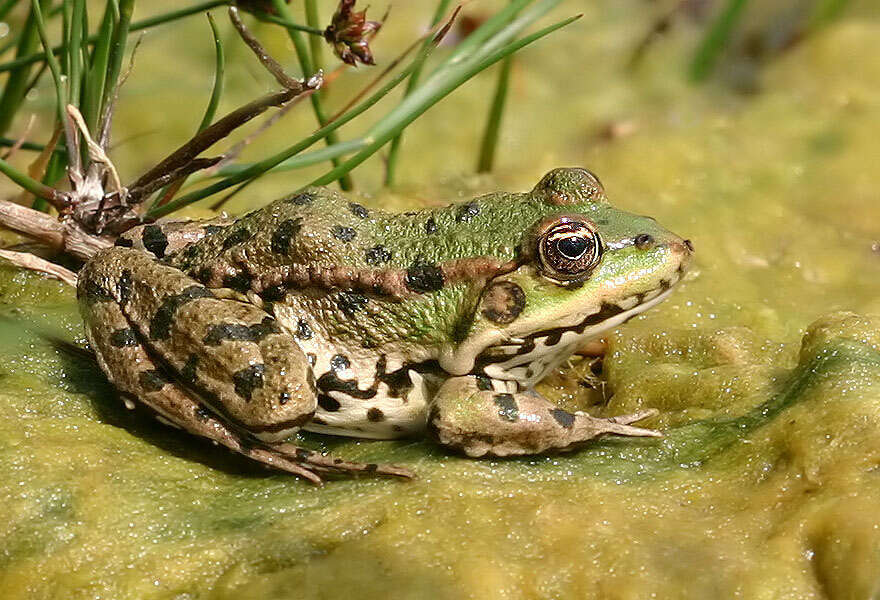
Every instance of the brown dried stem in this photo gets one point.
(64, 235)
(181, 159)
(33, 262)
(211, 135)
(272, 65)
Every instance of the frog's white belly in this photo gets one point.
(383, 416)
(364, 393)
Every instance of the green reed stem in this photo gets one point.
(715, 40)
(493, 122)
(394, 150)
(308, 68)
(31, 57)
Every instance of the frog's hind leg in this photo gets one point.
(469, 416)
(154, 360)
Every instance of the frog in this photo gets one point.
(316, 313)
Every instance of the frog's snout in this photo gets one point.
(681, 250)
(682, 247)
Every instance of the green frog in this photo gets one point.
(317, 313)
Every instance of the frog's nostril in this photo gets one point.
(689, 245)
(643, 241)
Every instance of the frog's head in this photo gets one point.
(583, 267)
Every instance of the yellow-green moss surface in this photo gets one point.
(763, 365)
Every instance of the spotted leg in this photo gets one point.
(215, 367)
(468, 416)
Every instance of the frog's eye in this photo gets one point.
(569, 250)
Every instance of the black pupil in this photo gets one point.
(572, 247)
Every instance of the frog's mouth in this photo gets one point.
(527, 359)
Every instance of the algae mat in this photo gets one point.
(763, 364)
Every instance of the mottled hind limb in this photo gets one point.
(469, 416)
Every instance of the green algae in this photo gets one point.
(765, 365)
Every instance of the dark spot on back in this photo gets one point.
(237, 237)
(346, 234)
(123, 337)
(188, 372)
(374, 415)
(248, 379)
(203, 413)
(284, 234)
(327, 403)
(430, 226)
(154, 240)
(124, 286)
(466, 212)
(152, 380)
(507, 408)
(94, 292)
(237, 332)
(123, 242)
(284, 398)
(483, 383)
(303, 331)
(240, 282)
(339, 362)
(160, 324)
(563, 417)
(351, 302)
(300, 199)
(212, 229)
(274, 293)
(358, 210)
(204, 275)
(424, 277)
(377, 255)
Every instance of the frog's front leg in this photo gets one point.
(469, 416)
(219, 368)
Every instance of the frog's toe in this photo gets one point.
(619, 425)
(278, 461)
(328, 464)
(635, 417)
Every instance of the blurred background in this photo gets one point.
(749, 127)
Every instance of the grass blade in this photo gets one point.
(240, 173)
(114, 62)
(31, 57)
(54, 67)
(97, 76)
(715, 40)
(74, 52)
(394, 150)
(210, 111)
(443, 81)
(825, 12)
(490, 27)
(16, 85)
(28, 183)
(308, 70)
(493, 123)
(219, 73)
(316, 42)
(6, 6)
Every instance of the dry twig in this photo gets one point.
(33, 262)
